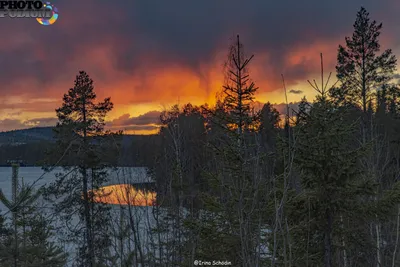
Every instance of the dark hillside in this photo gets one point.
(27, 135)
(30, 145)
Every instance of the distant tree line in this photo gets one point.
(138, 152)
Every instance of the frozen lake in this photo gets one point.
(143, 215)
(36, 174)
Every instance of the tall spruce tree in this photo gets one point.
(360, 69)
(233, 202)
(85, 147)
(366, 82)
(239, 90)
(333, 195)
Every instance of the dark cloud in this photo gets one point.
(11, 124)
(140, 33)
(151, 117)
(146, 122)
(141, 128)
(296, 92)
(15, 124)
(282, 108)
(30, 106)
(42, 122)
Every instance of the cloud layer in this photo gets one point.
(139, 52)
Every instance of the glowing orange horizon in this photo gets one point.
(164, 86)
(124, 194)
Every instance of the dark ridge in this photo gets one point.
(30, 146)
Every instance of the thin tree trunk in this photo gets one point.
(397, 237)
(378, 244)
(289, 242)
(16, 241)
(86, 204)
(308, 231)
(88, 220)
(135, 231)
(343, 244)
(328, 240)
(275, 229)
(24, 231)
(121, 235)
(364, 80)
(24, 238)
(15, 215)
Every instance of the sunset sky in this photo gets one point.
(148, 55)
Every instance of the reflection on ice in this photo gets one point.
(124, 194)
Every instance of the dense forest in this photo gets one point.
(318, 186)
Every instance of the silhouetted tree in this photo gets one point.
(360, 69)
(236, 184)
(82, 140)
